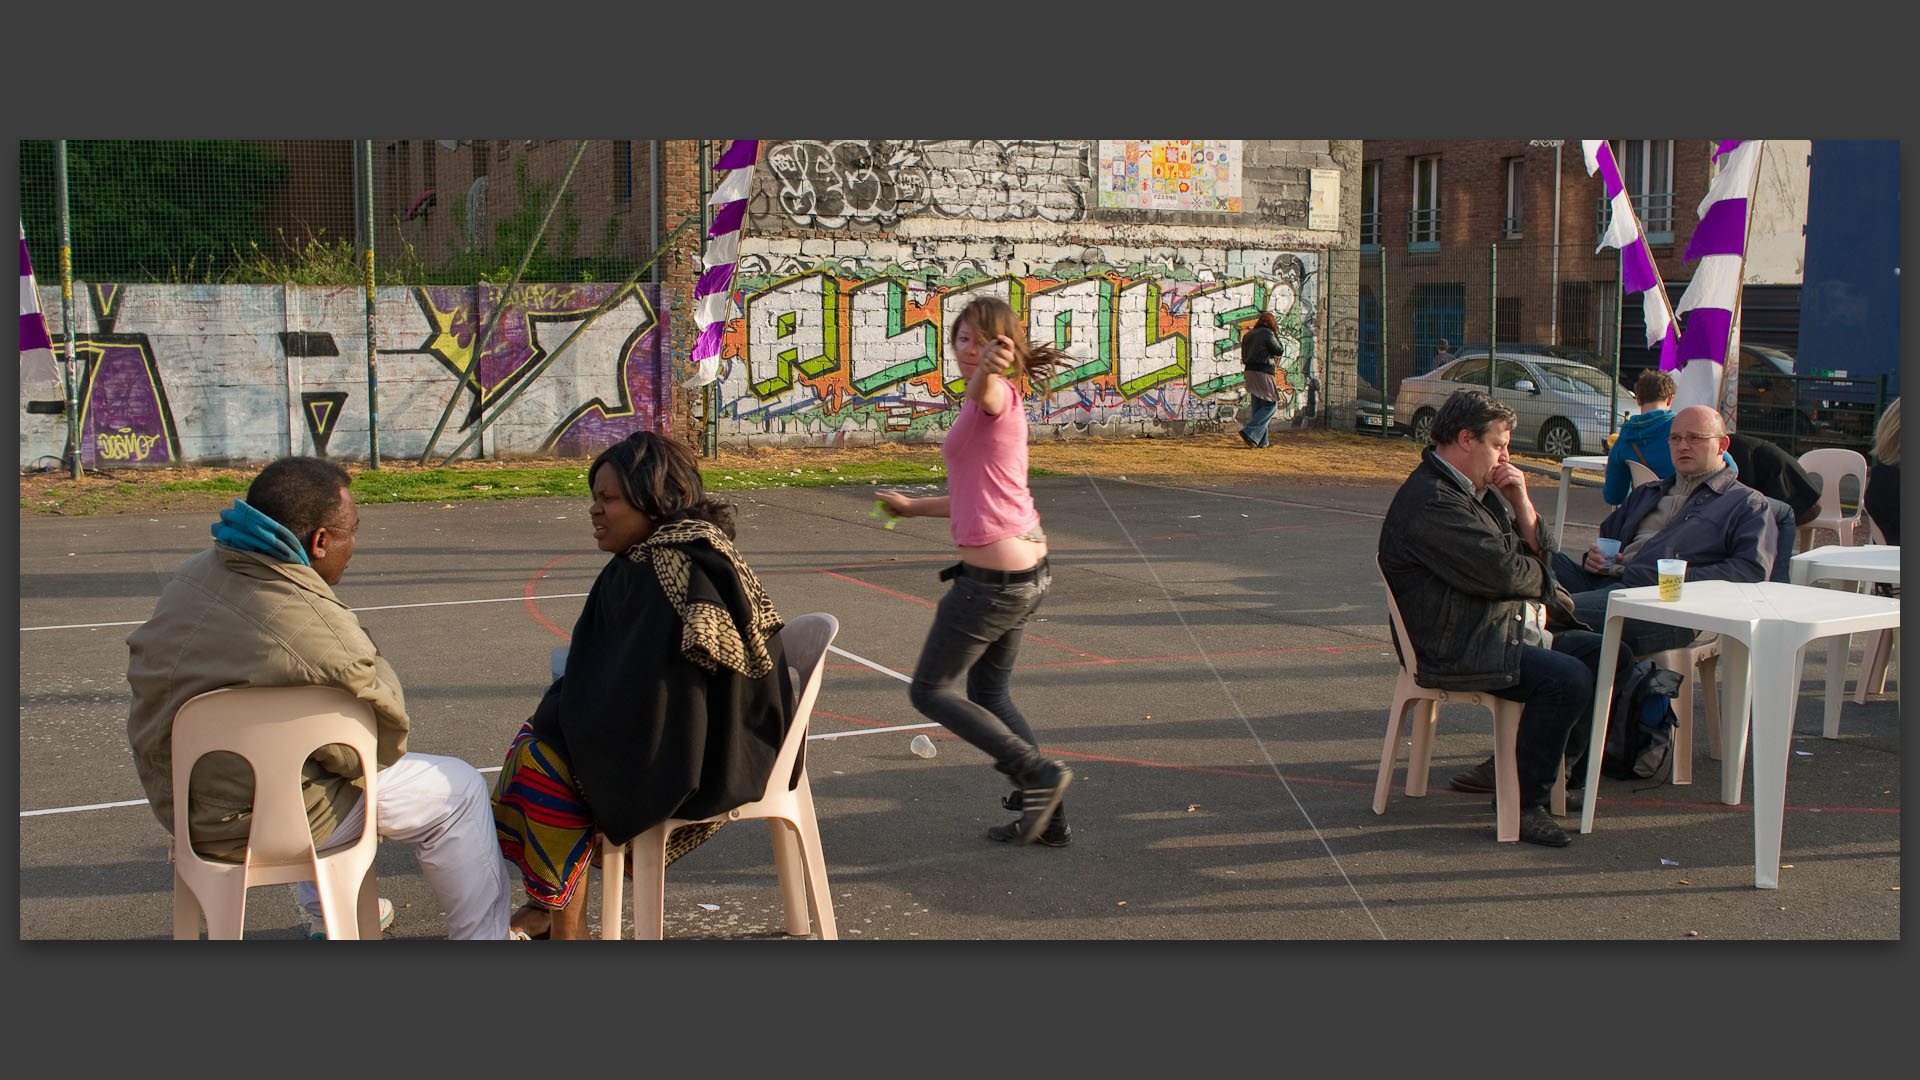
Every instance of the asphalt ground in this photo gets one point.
(1212, 661)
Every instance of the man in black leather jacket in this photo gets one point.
(1462, 568)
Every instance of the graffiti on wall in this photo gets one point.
(878, 181)
(182, 374)
(829, 349)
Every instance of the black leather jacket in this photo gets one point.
(1461, 576)
(1258, 349)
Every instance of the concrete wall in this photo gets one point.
(202, 374)
(857, 252)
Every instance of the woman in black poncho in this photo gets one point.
(675, 696)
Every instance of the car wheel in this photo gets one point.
(1558, 439)
(1423, 426)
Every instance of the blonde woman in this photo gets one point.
(967, 662)
(1882, 496)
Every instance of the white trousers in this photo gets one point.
(442, 807)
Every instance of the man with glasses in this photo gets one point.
(1702, 513)
(258, 609)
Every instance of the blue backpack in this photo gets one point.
(1640, 733)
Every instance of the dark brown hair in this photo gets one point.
(661, 478)
(1266, 321)
(991, 316)
(1652, 385)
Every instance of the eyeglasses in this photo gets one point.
(1677, 439)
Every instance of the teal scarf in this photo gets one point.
(248, 529)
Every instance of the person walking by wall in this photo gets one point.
(1002, 575)
(1260, 351)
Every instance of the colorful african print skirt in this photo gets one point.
(546, 829)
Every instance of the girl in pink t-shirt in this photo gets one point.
(1002, 574)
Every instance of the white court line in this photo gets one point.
(826, 736)
(380, 607)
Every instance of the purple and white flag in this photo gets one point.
(1711, 334)
(39, 378)
(713, 294)
(1637, 271)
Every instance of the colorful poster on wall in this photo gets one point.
(1170, 174)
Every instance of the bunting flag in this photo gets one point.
(38, 375)
(713, 294)
(1637, 272)
(1712, 333)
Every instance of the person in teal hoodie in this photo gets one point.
(1643, 438)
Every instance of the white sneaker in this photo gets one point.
(317, 929)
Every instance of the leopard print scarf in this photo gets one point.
(708, 635)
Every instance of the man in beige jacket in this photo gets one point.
(258, 609)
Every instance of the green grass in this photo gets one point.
(449, 485)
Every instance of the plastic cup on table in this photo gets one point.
(1673, 572)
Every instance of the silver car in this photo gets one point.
(1563, 405)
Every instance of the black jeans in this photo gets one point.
(976, 633)
(1557, 690)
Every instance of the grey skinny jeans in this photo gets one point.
(976, 633)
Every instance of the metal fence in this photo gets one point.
(1568, 351)
(443, 212)
(1551, 315)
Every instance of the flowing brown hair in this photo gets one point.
(990, 317)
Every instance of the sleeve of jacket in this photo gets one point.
(1751, 541)
(1461, 548)
(369, 677)
(1619, 477)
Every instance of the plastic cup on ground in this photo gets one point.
(922, 747)
(1673, 572)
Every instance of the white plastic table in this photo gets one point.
(1763, 626)
(1837, 562)
(1567, 465)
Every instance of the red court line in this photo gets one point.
(1243, 532)
(1365, 785)
(526, 594)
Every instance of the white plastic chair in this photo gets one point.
(275, 729)
(1877, 658)
(1640, 473)
(1830, 465)
(1407, 691)
(797, 855)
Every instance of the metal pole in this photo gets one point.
(1619, 307)
(653, 203)
(373, 367)
(471, 376)
(66, 309)
(1386, 396)
(1553, 298)
(1493, 312)
(710, 393)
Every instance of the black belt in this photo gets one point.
(995, 577)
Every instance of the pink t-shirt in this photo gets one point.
(987, 473)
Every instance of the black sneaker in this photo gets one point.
(1041, 789)
(1537, 827)
(1056, 834)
